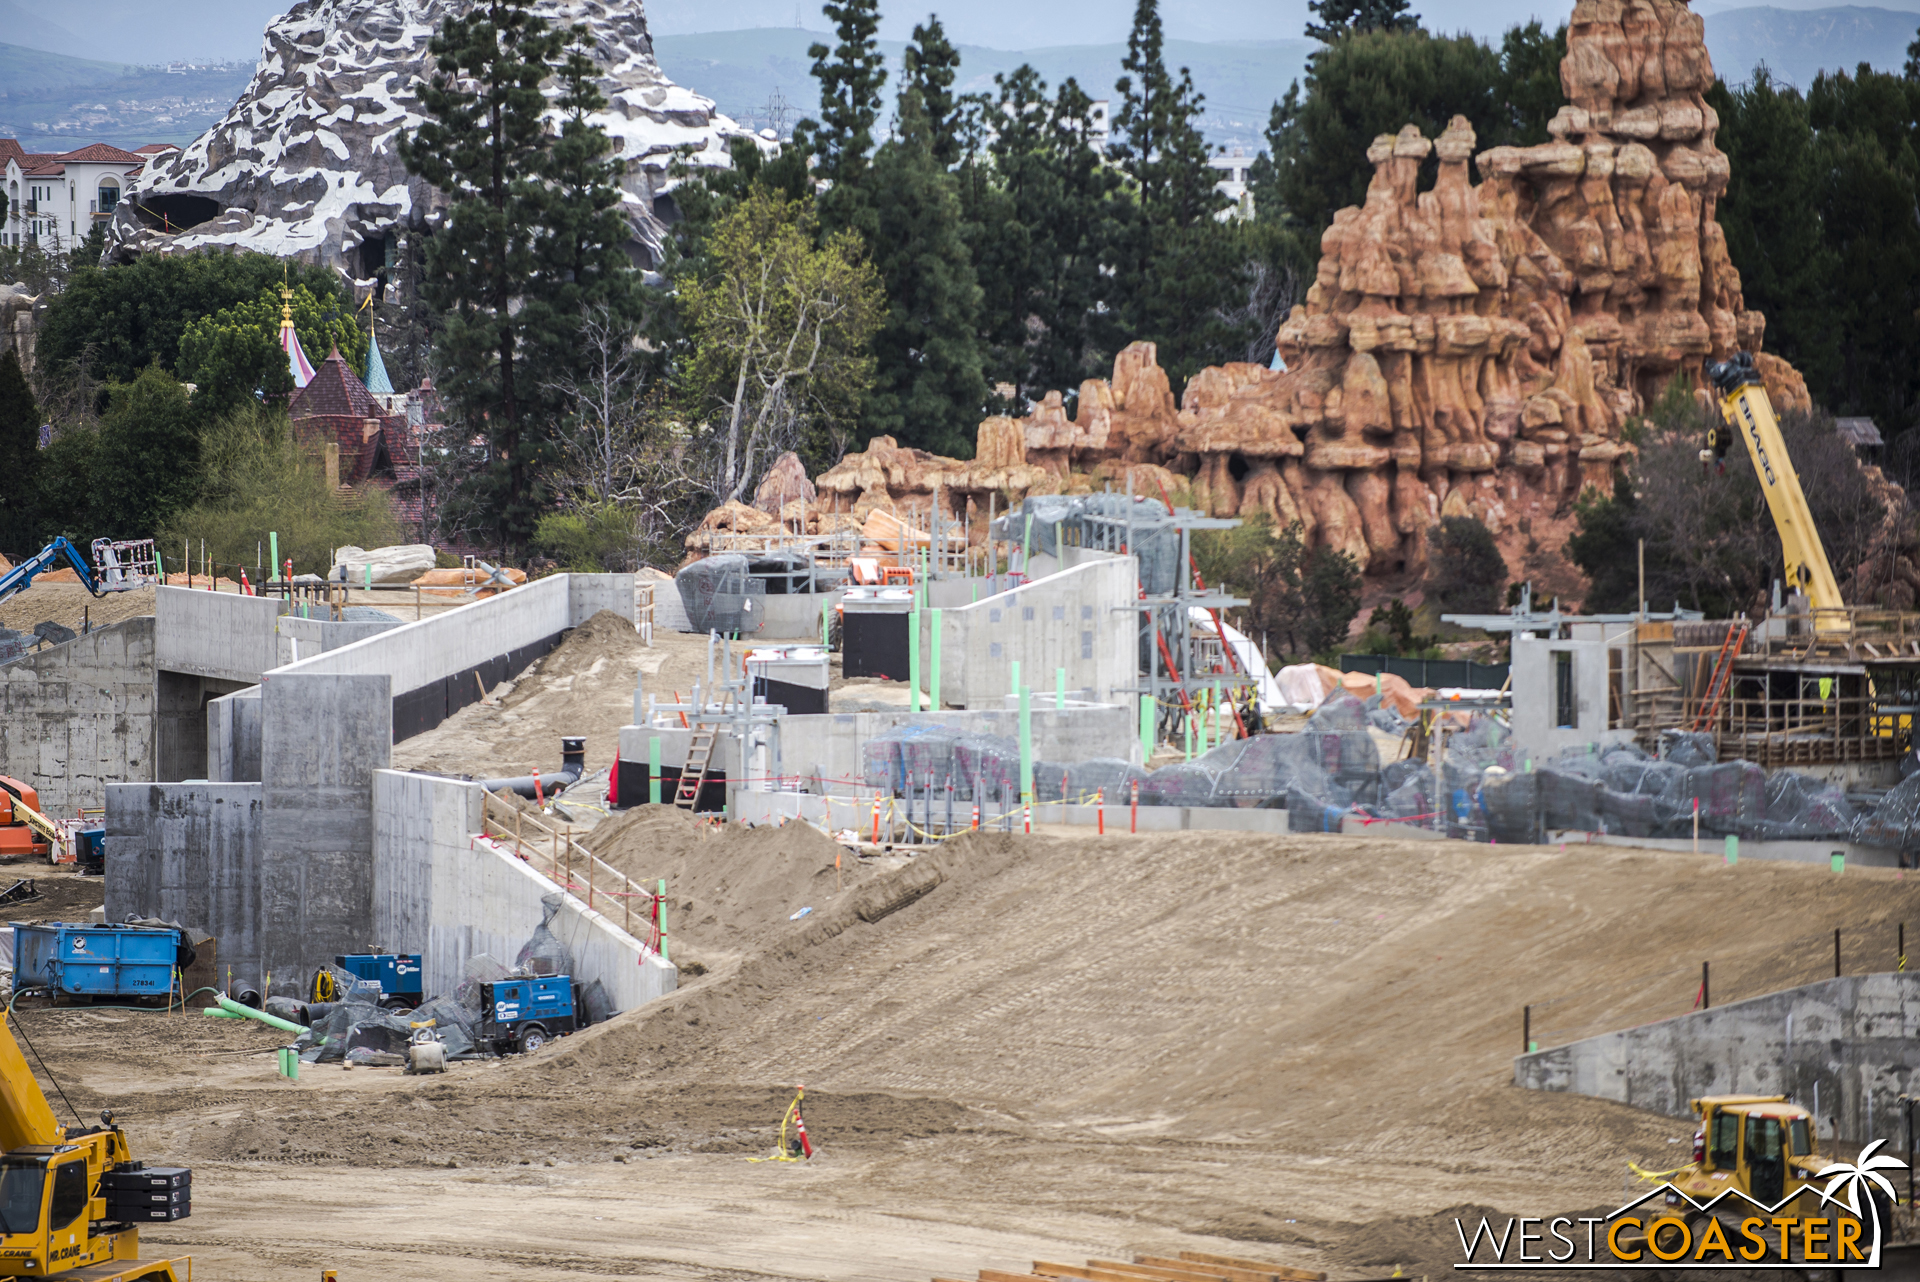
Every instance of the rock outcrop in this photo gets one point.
(1468, 349)
(306, 163)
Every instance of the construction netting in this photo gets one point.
(1331, 771)
(719, 594)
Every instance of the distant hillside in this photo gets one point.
(24, 71)
(54, 103)
(743, 70)
(1798, 44)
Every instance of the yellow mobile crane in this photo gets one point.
(1749, 415)
(71, 1197)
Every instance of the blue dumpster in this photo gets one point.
(80, 959)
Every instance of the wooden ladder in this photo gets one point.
(694, 773)
(1730, 647)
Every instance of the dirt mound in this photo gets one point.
(731, 891)
(585, 687)
(70, 605)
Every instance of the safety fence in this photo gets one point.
(1726, 976)
(552, 849)
(1459, 673)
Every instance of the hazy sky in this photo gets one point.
(139, 31)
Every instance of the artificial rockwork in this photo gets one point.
(1466, 349)
(307, 164)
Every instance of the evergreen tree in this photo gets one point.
(1465, 571)
(1770, 215)
(19, 457)
(484, 145)
(1369, 84)
(851, 75)
(928, 388)
(1869, 206)
(1046, 222)
(580, 259)
(1157, 140)
(1529, 87)
(1340, 18)
(929, 63)
(148, 464)
(1181, 259)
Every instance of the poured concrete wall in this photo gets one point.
(77, 717)
(1080, 619)
(304, 638)
(233, 737)
(1536, 733)
(216, 634)
(416, 654)
(181, 703)
(1847, 1043)
(440, 892)
(190, 852)
(322, 737)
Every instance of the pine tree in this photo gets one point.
(580, 260)
(1340, 18)
(1183, 261)
(1045, 226)
(929, 63)
(851, 75)
(19, 456)
(928, 388)
(484, 145)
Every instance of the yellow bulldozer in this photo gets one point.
(1763, 1147)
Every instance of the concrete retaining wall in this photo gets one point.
(190, 852)
(77, 717)
(233, 737)
(1080, 619)
(216, 634)
(449, 897)
(322, 737)
(311, 637)
(1846, 1042)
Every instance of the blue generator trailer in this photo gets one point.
(525, 1014)
(398, 975)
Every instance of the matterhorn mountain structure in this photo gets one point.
(307, 163)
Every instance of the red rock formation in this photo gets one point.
(1467, 349)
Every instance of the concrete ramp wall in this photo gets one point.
(216, 634)
(1843, 1047)
(437, 666)
(443, 891)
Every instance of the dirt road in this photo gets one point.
(1297, 1047)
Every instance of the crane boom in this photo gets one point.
(1749, 415)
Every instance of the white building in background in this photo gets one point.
(54, 200)
(1232, 173)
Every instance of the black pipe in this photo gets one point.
(573, 762)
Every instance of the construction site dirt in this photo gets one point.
(1014, 1048)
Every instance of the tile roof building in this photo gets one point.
(368, 440)
(55, 199)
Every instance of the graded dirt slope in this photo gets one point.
(1303, 1043)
